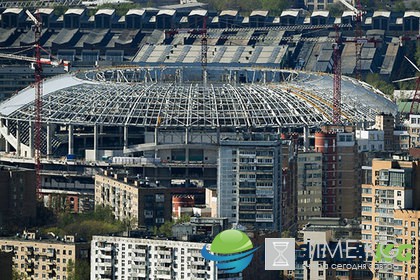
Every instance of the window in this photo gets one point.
(398, 193)
(398, 202)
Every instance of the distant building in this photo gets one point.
(138, 200)
(385, 123)
(249, 183)
(390, 204)
(340, 164)
(401, 140)
(199, 226)
(309, 186)
(18, 197)
(413, 128)
(39, 258)
(370, 140)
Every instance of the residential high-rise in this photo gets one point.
(249, 183)
(309, 186)
(390, 204)
(407, 231)
(340, 165)
(18, 197)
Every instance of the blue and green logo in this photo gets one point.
(232, 250)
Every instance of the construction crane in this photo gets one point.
(202, 32)
(337, 43)
(358, 33)
(416, 97)
(36, 63)
(337, 78)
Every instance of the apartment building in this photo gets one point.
(38, 258)
(330, 268)
(370, 140)
(18, 197)
(340, 166)
(413, 128)
(135, 258)
(138, 200)
(407, 231)
(249, 183)
(389, 210)
(385, 122)
(309, 186)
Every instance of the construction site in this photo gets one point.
(170, 84)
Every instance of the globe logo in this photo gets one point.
(232, 250)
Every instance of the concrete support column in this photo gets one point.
(218, 135)
(49, 144)
(305, 138)
(125, 137)
(187, 136)
(156, 136)
(31, 139)
(71, 143)
(18, 138)
(95, 142)
(7, 147)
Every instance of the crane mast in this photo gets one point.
(337, 79)
(38, 100)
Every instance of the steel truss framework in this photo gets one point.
(305, 99)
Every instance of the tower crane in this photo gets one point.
(36, 64)
(337, 42)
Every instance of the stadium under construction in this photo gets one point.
(165, 124)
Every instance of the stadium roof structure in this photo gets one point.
(138, 97)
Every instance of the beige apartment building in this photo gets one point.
(407, 231)
(44, 258)
(389, 210)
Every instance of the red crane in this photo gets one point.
(37, 63)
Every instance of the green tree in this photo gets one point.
(71, 271)
(336, 9)
(399, 7)
(166, 229)
(276, 6)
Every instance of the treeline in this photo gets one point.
(100, 221)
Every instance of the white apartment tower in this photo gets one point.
(126, 258)
(249, 183)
